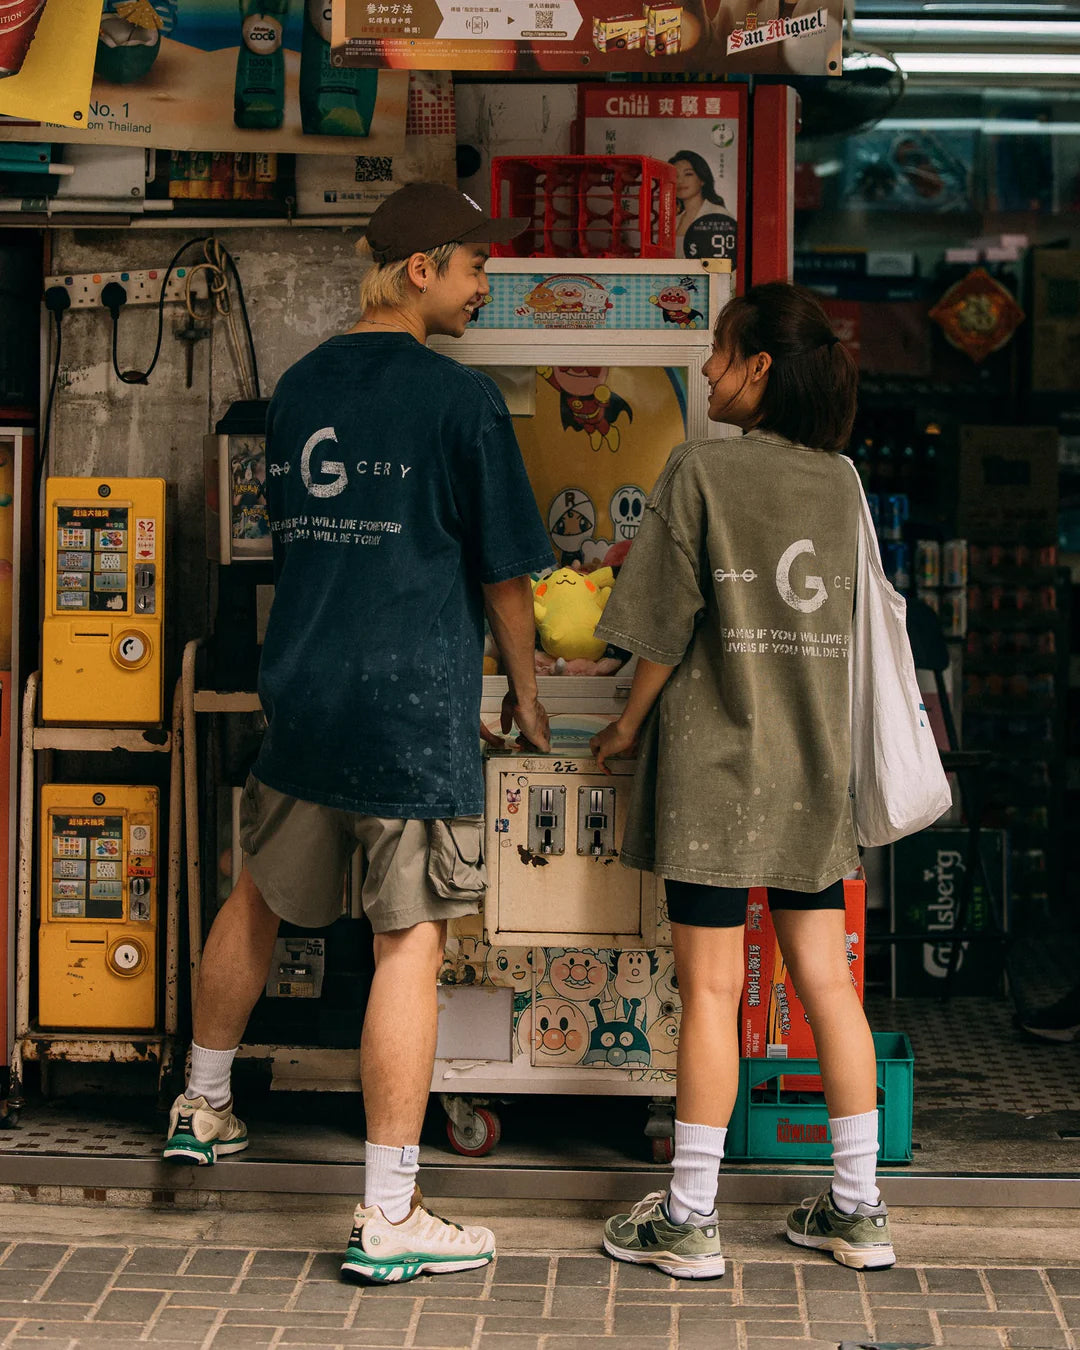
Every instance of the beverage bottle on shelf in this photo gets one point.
(259, 94)
(885, 469)
(333, 101)
(907, 471)
(861, 453)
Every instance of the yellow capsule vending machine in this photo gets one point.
(97, 935)
(102, 657)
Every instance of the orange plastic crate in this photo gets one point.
(586, 206)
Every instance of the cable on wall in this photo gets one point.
(220, 269)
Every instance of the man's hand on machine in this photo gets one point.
(531, 719)
(615, 739)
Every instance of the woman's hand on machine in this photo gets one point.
(615, 739)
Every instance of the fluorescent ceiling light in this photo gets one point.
(990, 125)
(988, 63)
(961, 30)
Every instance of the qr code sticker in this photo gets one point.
(545, 18)
(374, 168)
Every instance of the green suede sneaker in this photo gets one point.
(861, 1240)
(646, 1236)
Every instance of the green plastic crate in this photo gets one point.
(770, 1124)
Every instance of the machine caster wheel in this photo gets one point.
(475, 1136)
(663, 1149)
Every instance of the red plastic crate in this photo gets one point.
(586, 206)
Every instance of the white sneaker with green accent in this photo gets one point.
(200, 1133)
(381, 1252)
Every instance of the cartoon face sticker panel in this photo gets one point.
(571, 524)
(588, 404)
(553, 1032)
(617, 1042)
(578, 974)
(627, 507)
(663, 1037)
(632, 979)
(595, 445)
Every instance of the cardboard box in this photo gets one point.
(926, 873)
(1008, 490)
(773, 1022)
(1055, 317)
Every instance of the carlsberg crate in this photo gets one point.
(770, 1124)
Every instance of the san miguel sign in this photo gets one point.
(721, 37)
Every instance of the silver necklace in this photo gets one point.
(379, 323)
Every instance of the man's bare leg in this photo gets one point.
(232, 975)
(235, 962)
(397, 1050)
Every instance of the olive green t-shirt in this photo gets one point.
(742, 576)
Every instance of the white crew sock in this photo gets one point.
(699, 1150)
(854, 1153)
(390, 1178)
(210, 1070)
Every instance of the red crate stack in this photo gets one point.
(586, 206)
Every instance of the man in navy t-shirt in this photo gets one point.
(401, 513)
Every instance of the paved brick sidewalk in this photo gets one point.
(56, 1297)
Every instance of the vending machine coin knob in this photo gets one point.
(126, 958)
(131, 650)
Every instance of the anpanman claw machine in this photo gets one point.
(565, 984)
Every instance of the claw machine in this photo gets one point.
(564, 983)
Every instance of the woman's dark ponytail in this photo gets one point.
(813, 380)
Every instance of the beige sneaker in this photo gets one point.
(200, 1133)
(381, 1252)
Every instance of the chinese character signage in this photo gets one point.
(752, 37)
(698, 128)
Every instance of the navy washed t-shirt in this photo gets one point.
(395, 488)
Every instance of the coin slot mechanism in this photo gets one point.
(547, 819)
(596, 822)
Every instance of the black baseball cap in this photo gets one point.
(421, 216)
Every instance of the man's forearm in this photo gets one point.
(509, 606)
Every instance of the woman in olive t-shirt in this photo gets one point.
(737, 598)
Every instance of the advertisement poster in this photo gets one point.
(697, 128)
(355, 185)
(47, 54)
(240, 75)
(722, 37)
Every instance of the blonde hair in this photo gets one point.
(387, 284)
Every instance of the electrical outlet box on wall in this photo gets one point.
(143, 288)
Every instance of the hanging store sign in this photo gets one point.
(210, 76)
(723, 37)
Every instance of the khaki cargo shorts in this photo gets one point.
(299, 853)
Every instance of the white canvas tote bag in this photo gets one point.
(897, 783)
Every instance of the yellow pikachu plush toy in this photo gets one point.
(567, 606)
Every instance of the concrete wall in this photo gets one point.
(300, 287)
